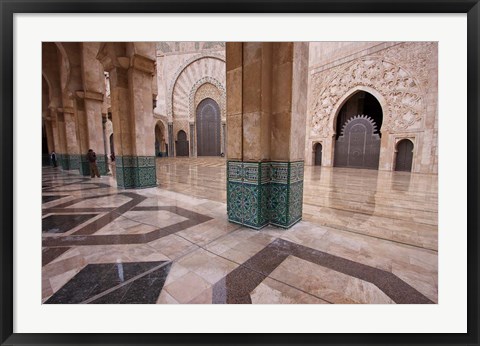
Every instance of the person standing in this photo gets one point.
(53, 157)
(92, 159)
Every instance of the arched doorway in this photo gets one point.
(318, 154)
(208, 128)
(404, 156)
(358, 133)
(160, 144)
(181, 143)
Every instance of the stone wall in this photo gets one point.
(403, 76)
(186, 72)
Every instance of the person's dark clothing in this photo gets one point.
(92, 159)
(53, 156)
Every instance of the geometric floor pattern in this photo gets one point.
(366, 237)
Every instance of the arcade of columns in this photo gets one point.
(271, 127)
(75, 113)
(266, 109)
(266, 112)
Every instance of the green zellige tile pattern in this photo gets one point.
(134, 172)
(262, 193)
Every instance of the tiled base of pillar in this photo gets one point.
(101, 164)
(69, 161)
(262, 193)
(46, 160)
(84, 166)
(135, 172)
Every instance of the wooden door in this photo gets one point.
(358, 146)
(208, 128)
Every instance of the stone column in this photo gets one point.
(62, 143)
(90, 130)
(132, 112)
(171, 150)
(289, 109)
(266, 113)
(224, 139)
(49, 133)
(71, 158)
(105, 145)
(193, 152)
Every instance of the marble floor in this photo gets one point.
(367, 237)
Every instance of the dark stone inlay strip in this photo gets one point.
(81, 199)
(94, 279)
(112, 213)
(63, 223)
(111, 239)
(48, 255)
(97, 185)
(75, 210)
(236, 287)
(144, 290)
(46, 199)
(109, 217)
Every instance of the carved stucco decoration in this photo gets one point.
(414, 57)
(180, 70)
(402, 93)
(207, 87)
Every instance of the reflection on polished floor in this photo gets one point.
(366, 237)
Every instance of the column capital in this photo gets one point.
(90, 95)
(142, 63)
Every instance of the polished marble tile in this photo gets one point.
(49, 198)
(96, 279)
(366, 237)
(63, 223)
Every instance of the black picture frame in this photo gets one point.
(7, 175)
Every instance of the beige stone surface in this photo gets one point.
(403, 76)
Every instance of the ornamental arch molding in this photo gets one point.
(399, 93)
(208, 65)
(207, 87)
(333, 120)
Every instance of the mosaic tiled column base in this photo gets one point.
(46, 160)
(85, 165)
(262, 193)
(69, 161)
(135, 172)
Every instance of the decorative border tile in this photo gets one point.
(46, 160)
(84, 165)
(236, 287)
(262, 193)
(134, 172)
(69, 161)
(101, 164)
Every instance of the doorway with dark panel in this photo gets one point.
(318, 154)
(208, 128)
(358, 135)
(181, 143)
(404, 156)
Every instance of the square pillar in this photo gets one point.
(90, 130)
(70, 159)
(266, 113)
(131, 87)
(248, 193)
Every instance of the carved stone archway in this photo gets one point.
(400, 94)
(179, 71)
